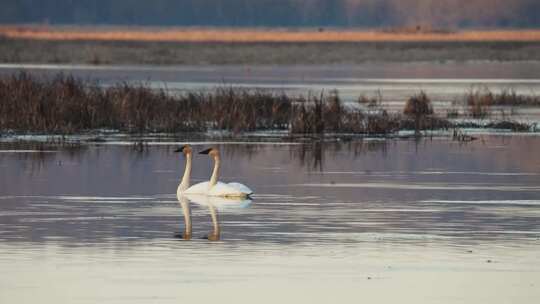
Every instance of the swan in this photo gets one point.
(185, 182)
(215, 188)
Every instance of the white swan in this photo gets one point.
(215, 188)
(185, 182)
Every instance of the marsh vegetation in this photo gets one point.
(65, 105)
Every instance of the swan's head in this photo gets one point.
(186, 149)
(212, 152)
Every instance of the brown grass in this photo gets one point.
(68, 105)
(260, 35)
(481, 101)
(418, 107)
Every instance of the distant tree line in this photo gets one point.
(271, 13)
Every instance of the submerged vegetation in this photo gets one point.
(67, 105)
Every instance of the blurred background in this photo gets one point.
(280, 13)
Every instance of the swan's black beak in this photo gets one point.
(205, 151)
(181, 149)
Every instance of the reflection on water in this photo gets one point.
(326, 216)
(213, 203)
(186, 209)
(384, 186)
(311, 155)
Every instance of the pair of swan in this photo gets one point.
(212, 187)
(212, 193)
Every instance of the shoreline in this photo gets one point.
(264, 35)
(113, 52)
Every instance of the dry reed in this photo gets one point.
(66, 105)
(418, 107)
(481, 101)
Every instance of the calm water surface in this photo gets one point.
(444, 82)
(431, 221)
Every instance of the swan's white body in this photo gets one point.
(219, 189)
(211, 187)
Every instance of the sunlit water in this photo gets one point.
(433, 221)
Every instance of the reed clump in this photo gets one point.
(480, 102)
(419, 108)
(508, 97)
(67, 105)
(329, 114)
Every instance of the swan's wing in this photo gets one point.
(220, 189)
(228, 190)
(241, 188)
(200, 188)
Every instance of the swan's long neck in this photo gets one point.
(184, 184)
(215, 173)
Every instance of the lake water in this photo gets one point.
(429, 221)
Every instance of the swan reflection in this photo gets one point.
(214, 204)
(186, 209)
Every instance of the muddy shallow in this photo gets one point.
(432, 221)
